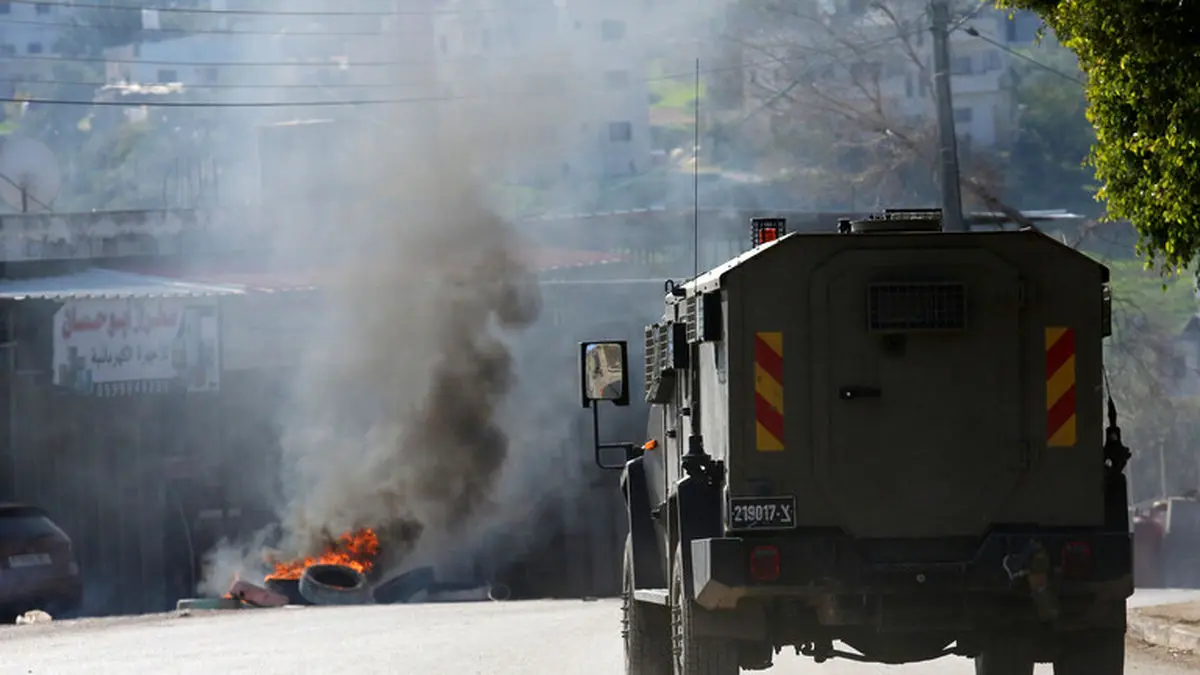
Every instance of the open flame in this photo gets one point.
(356, 549)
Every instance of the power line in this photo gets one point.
(229, 104)
(970, 30)
(184, 10)
(202, 31)
(352, 102)
(225, 64)
(339, 85)
(269, 12)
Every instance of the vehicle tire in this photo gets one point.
(693, 654)
(405, 586)
(646, 628)
(1093, 652)
(334, 585)
(1000, 661)
(288, 588)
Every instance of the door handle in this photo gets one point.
(851, 392)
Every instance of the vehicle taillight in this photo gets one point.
(1076, 560)
(764, 563)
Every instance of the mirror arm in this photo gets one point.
(631, 450)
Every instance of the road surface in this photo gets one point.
(516, 638)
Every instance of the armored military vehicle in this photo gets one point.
(884, 443)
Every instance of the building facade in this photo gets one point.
(881, 57)
(580, 66)
(30, 34)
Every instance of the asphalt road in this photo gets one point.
(517, 638)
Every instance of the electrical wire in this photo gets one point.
(219, 64)
(971, 30)
(97, 85)
(263, 12)
(353, 102)
(202, 31)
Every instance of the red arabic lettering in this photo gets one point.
(76, 324)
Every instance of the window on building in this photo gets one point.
(865, 71)
(166, 76)
(612, 30)
(209, 75)
(42, 8)
(1010, 30)
(991, 60)
(486, 39)
(5, 7)
(616, 79)
(962, 115)
(443, 44)
(908, 86)
(961, 65)
(8, 50)
(34, 48)
(578, 25)
(620, 132)
(923, 88)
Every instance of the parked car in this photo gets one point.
(38, 568)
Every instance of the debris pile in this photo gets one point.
(341, 575)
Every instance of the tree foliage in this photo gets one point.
(1141, 61)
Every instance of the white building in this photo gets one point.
(982, 85)
(582, 65)
(29, 37)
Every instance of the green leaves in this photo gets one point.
(1141, 58)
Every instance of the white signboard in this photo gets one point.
(173, 342)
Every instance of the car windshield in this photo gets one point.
(26, 525)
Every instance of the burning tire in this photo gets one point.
(334, 585)
(406, 586)
(289, 588)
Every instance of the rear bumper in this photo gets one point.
(64, 593)
(833, 572)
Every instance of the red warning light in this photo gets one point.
(763, 230)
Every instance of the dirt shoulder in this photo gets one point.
(1185, 613)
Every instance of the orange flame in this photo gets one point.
(355, 549)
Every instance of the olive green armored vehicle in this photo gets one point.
(886, 443)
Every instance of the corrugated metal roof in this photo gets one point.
(268, 280)
(100, 283)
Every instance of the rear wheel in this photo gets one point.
(695, 654)
(645, 627)
(1095, 652)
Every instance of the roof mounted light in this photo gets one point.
(763, 230)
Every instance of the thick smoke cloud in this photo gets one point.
(394, 421)
(407, 414)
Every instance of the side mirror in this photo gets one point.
(604, 372)
(604, 376)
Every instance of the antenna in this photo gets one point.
(696, 181)
(29, 175)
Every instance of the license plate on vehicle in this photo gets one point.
(28, 560)
(762, 513)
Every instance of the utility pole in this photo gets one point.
(947, 140)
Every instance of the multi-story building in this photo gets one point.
(29, 37)
(578, 67)
(887, 57)
(360, 51)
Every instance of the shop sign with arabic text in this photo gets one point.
(105, 341)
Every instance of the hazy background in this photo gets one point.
(435, 385)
